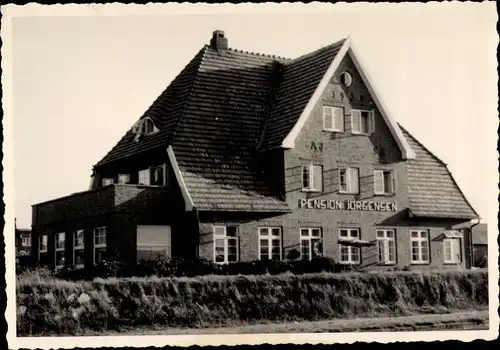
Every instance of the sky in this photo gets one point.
(80, 82)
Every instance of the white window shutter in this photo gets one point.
(378, 181)
(338, 119)
(371, 122)
(355, 120)
(327, 118)
(354, 180)
(317, 177)
(393, 182)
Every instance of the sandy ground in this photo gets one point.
(475, 320)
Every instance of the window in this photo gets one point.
(312, 178)
(270, 243)
(333, 118)
(107, 181)
(153, 241)
(60, 240)
(311, 243)
(349, 180)
(42, 245)
(123, 179)
(99, 244)
(349, 254)
(383, 182)
(346, 78)
(145, 177)
(144, 126)
(78, 248)
(451, 249)
(26, 241)
(226, 244)
(362, 122)
(159, 175)
(419, 247)
(386, 245)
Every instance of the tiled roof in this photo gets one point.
(165, 112)
(300, 78)
(217, 136)
(480, 234)
(227, 105)
(432, 191)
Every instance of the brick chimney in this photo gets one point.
(218, 41)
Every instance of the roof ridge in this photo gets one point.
(323, 48)
(202, 52)
(258, 54)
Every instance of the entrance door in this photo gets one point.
(152, 241)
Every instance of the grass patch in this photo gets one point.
(51, 306)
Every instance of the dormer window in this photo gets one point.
(144, 126)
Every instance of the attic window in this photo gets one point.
(144, 126)
(346, 78)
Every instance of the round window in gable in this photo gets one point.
(346, 78)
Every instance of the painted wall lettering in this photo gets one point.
(330, 204)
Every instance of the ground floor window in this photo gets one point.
(349, 254)
(270, 243)
(78, 249)
(59, 241)
(26, 242)
(42, 247)
(311, 243)
(153, 241)
(419, 246)
(451, 249)
(99, 244)
(386, 244)
(226, 247)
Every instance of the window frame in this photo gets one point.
(386, 240)
(348, 180)
(59, 249)
(78, 247)
(107, 181)
(332, 109)
(391, 182)
(309, 239)
(46, 250)
(120, 176)
(370, 121)
(270, 237)
(226, 238)
(144, 171)
(26, 241)
(420, 261)
(100, 245)
(311, 176)
(350, 248)
(459, 245)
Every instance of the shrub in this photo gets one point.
(49, 306)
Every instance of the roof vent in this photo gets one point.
(218, 41)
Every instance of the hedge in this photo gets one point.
(47, 305)
(189, 268)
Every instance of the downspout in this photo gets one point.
(471, 245)
(198, 235)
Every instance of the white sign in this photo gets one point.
(330, 204)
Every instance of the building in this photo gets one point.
(22, 241)
(248, 156)
(480, 245)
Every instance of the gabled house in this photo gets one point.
(249, 156)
